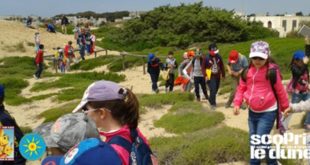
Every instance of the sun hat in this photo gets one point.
(260, 49)
(101, 91)
(67, 131)
(91, 151)
(233, 56)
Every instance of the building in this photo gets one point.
(283, 24)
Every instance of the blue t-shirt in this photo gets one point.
(240, 64)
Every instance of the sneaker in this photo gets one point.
(35, 77)
(213, 107)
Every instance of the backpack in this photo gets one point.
(139, 152)
(272, 77)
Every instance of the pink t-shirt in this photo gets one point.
(124, 132)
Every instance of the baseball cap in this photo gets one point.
(299, 55)
(233, 56)
(260, 49)
(213, 46)
(101, 91)
(151, 56)
(1, 90)
(91, 151)
(67, 131)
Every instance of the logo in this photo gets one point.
(6, 143)
(70, 156)
(288, 146)
(32, 146)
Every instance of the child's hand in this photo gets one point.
(287, 111)
(236, 110)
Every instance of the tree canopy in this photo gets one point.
(183, 25)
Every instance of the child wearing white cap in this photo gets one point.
(264, 100)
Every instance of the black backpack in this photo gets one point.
(140, 153)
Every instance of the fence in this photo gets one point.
(122, 54)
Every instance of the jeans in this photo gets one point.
(202, 82)
(170, 82)
(39, 70)
(296, 98)
(214, 85)
(261, 124)
(154, 78)
(82, 51)
(234, 85)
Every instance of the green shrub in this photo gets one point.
(19, 47)
(93, 63)
(54, 113)
(76, 83)
(25, 130)
(180, 26)
(188, 117)
(156, 101)
(13, 87)
(209, 146)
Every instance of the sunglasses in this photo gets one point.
(86, 110)
(257, 58)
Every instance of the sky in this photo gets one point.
(48, 8)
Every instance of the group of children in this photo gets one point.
(192, 71)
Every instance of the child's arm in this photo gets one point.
(301, 106)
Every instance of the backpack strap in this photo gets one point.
(118, 140)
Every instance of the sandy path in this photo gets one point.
(146, 124)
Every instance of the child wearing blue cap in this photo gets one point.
(153, 68)
(298, 86)
(7, 120)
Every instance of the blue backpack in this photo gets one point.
(140, 153)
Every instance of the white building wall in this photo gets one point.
(277, 22)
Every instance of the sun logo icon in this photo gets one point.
(32, 146)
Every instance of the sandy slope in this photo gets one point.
(16, 32)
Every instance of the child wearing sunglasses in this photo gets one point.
(258, 93)
(115, 110)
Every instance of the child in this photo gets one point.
(236, 64)
(198, 74)
(7, 120)
(66, 131)
(298, 85)
(258, 94)
(69, 54)
(171, 66)
(153, 68)
(186, 83)
(39, 62)
(37, 41)
(215, 63)
(115, 111)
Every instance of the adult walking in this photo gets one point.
(236, 64)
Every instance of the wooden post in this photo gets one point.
(106, 52)
(95, 54)
(143, 58)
